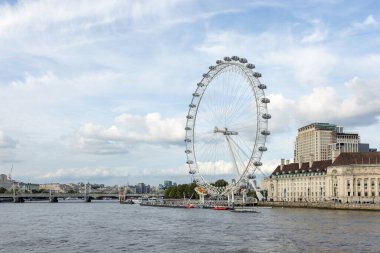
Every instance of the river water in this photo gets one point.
(107, 226)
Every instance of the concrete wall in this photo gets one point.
(323, 205)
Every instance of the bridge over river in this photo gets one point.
(53, 197)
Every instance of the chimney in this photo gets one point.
(335, 153)
(311, 160)
(287, 162)
(282, 163)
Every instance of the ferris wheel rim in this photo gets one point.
(261, 132)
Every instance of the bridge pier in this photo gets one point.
(53, 199)
(87, 199)
(122, 193)
(18, 199)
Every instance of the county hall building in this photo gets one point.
(338, 175)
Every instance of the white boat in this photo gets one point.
(137, 201)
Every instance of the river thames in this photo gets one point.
(107, 226)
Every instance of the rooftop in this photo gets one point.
(319, 126)
(321, 166)
(357, 158)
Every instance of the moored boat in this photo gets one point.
(220, 208)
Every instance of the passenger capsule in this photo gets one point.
(189, 116)
(265, 100)
(192, 105)
(265, 132)
(192, 172)
(205, 75)
(235, 58)
(212, 67)
(195, 94)
(262, 86)
(257, 163)
(187, 151)
(243, 60)
(187, 140)
(266, 116)
(251, 176)
(189, 162)
(219, 62)
(188, 128)
(257, 74)
(250, 66)
(262, 149)
(200, 84)
(227, 58)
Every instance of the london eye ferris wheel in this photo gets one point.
(227, 126)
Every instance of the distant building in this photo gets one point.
(323, 141)
(131, 189)
(168, 183)
(5, 182)
(141, 188)
(61, 188)
(28, 187)
(364, 147)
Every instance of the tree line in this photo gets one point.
(187, 190)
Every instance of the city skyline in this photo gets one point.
(99, 91)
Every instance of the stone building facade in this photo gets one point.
(351, 177)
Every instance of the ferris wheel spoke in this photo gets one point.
(238, 98)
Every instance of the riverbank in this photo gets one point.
(175, 203)
(323, 205)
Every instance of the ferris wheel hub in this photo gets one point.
(225, 131)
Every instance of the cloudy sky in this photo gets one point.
(98, 90)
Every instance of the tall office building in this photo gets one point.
(323, 141)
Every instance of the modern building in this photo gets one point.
(323, 141)
(351, 177)
(142, 188)
(168, 183)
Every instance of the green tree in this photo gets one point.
(181, 189)
(252, 194)
(173, 192)
(3, 190)
(220, 183)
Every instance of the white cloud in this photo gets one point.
(80, 173)
(129, 130)
(280, 108)
(319, 34)
(368, 21)
(268, 167)
(66, 64)
(309, 65)
(360, 107)
(7, 142)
